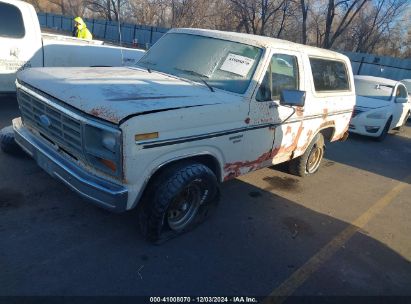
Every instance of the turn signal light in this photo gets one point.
(146, 136)
(109, 164)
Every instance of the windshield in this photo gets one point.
(222, 64)
(373, 89)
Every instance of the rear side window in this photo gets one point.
(329, 75)
(11, 21)
(401, 92)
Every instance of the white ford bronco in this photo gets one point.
(201, 107)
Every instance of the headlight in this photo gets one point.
(109, 141)
(103, 148)
(377, 115)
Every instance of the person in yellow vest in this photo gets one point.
(81, 30)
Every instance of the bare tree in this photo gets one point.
(108, 9)
(254, 15)
(374, 23)
(346, 10)
(355, 25)
(304, 4)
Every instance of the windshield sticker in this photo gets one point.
(237, 64)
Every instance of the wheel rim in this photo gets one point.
(406, 119)
(184, 207)
(314, 159)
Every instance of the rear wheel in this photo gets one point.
(178, 200)
(310, 161)
(403, 123)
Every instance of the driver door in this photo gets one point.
(284, 71)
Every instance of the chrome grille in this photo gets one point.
(62, 129)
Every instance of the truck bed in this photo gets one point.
(59, 38)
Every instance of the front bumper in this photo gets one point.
(97, 190)
(366, 126)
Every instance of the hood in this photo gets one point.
(371, 103)
(113, 94)
(80, 21)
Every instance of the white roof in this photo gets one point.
(380, 80)
(261, 41)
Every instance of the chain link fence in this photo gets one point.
(144, 36)
(141, 36)
(380, 66)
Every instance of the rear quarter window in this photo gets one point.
(329, 75)
(11, 21)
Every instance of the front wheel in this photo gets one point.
(310, 161)
(178, 200)
(384, 132)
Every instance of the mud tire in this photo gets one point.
(300, 166)
(7, 142)
(158, 201)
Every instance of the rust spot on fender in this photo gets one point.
(325, 113)
(131, 98)
(327, 124)
(104, 113)
(308, 141)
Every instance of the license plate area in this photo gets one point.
(45, 163)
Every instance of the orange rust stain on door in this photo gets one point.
(234, 169)
(299, 111)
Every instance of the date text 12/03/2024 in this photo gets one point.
(239, 299)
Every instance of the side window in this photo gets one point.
(401, 92)
(282, 73)
(11, 21)
(329, 75)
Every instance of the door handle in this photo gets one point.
(272, 105)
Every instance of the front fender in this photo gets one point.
(140, 171)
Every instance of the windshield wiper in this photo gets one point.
(205, 82)
(199, 76)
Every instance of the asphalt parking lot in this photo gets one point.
(344, 231)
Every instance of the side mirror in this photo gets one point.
(292, 98)
(401, 99)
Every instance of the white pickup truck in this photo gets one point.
(201, 107)
(22, 45)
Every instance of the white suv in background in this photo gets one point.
(381, 105)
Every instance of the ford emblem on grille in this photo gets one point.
(45, 121)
